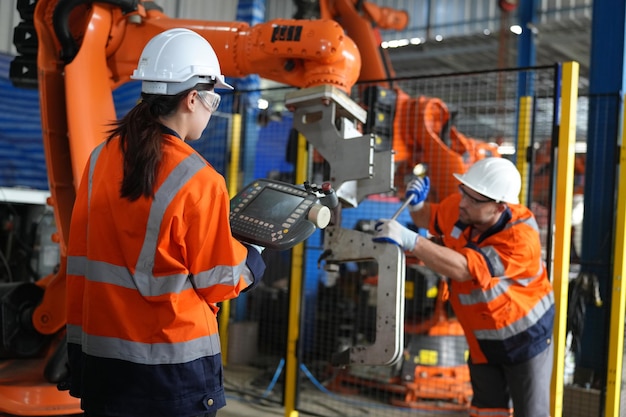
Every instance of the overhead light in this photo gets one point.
(262, 104)
(438, 38)
(397, 43)
(506, 149)
(517, 29)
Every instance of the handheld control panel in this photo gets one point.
(275, 214)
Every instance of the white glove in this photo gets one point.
(258, 248)
(393, 232)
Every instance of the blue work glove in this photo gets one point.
(393, 232)
(417, 190)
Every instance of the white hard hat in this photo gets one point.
(496, 178)
(176, 60)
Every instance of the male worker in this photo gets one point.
(491, 252)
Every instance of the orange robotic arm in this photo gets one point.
(361, 21)
(87, 49)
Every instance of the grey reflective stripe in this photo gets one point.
(176, 180)
(493, 256)
(525, 281)
(144, 353)
(118, 275)
(227, 275)
(247, 276)
(97, 271)
(92, 167)
(520, 325)
(76, 265)
(530, 221)
(74, 333)
(456, 232)
(484, 296)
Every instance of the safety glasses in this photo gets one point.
(210, 99)
(471, 199)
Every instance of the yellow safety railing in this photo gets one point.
(563, 225)
(295, 297)
(616, 335)
(233, 188)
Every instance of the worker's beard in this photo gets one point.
(465, 217)
(481, 221)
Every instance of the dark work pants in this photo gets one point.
(525, 386)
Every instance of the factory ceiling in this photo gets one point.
(556, 42)
(561, 41)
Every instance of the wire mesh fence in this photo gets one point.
(444, 123)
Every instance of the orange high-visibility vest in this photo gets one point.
(507, 309)
(143, 280)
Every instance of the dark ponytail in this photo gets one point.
(141, 142)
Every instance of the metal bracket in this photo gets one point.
(329, 120)
(346, 245)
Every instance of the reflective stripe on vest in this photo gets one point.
(521, 325)
(92, 167)
(146, 283)
(97, 271)
(496, 267)
(144, 353)
(503, 283)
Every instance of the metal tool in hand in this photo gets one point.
(402, 207)
(419, 171)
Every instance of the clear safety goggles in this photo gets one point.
(473, 200)
(210, 99)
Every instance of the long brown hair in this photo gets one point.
(141, 139)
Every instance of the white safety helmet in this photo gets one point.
(176, 60)
(496, 178)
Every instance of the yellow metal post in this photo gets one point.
(523, 142)
(235, 154)
(616, 334)
(295, 297)
(233, 188)
(563, 225)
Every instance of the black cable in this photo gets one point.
(6, 266)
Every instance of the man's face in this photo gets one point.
(477, 210)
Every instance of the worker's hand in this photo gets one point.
(417, 190)
(393, 232)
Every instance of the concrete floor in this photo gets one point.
(258, 393)
(237, 408)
